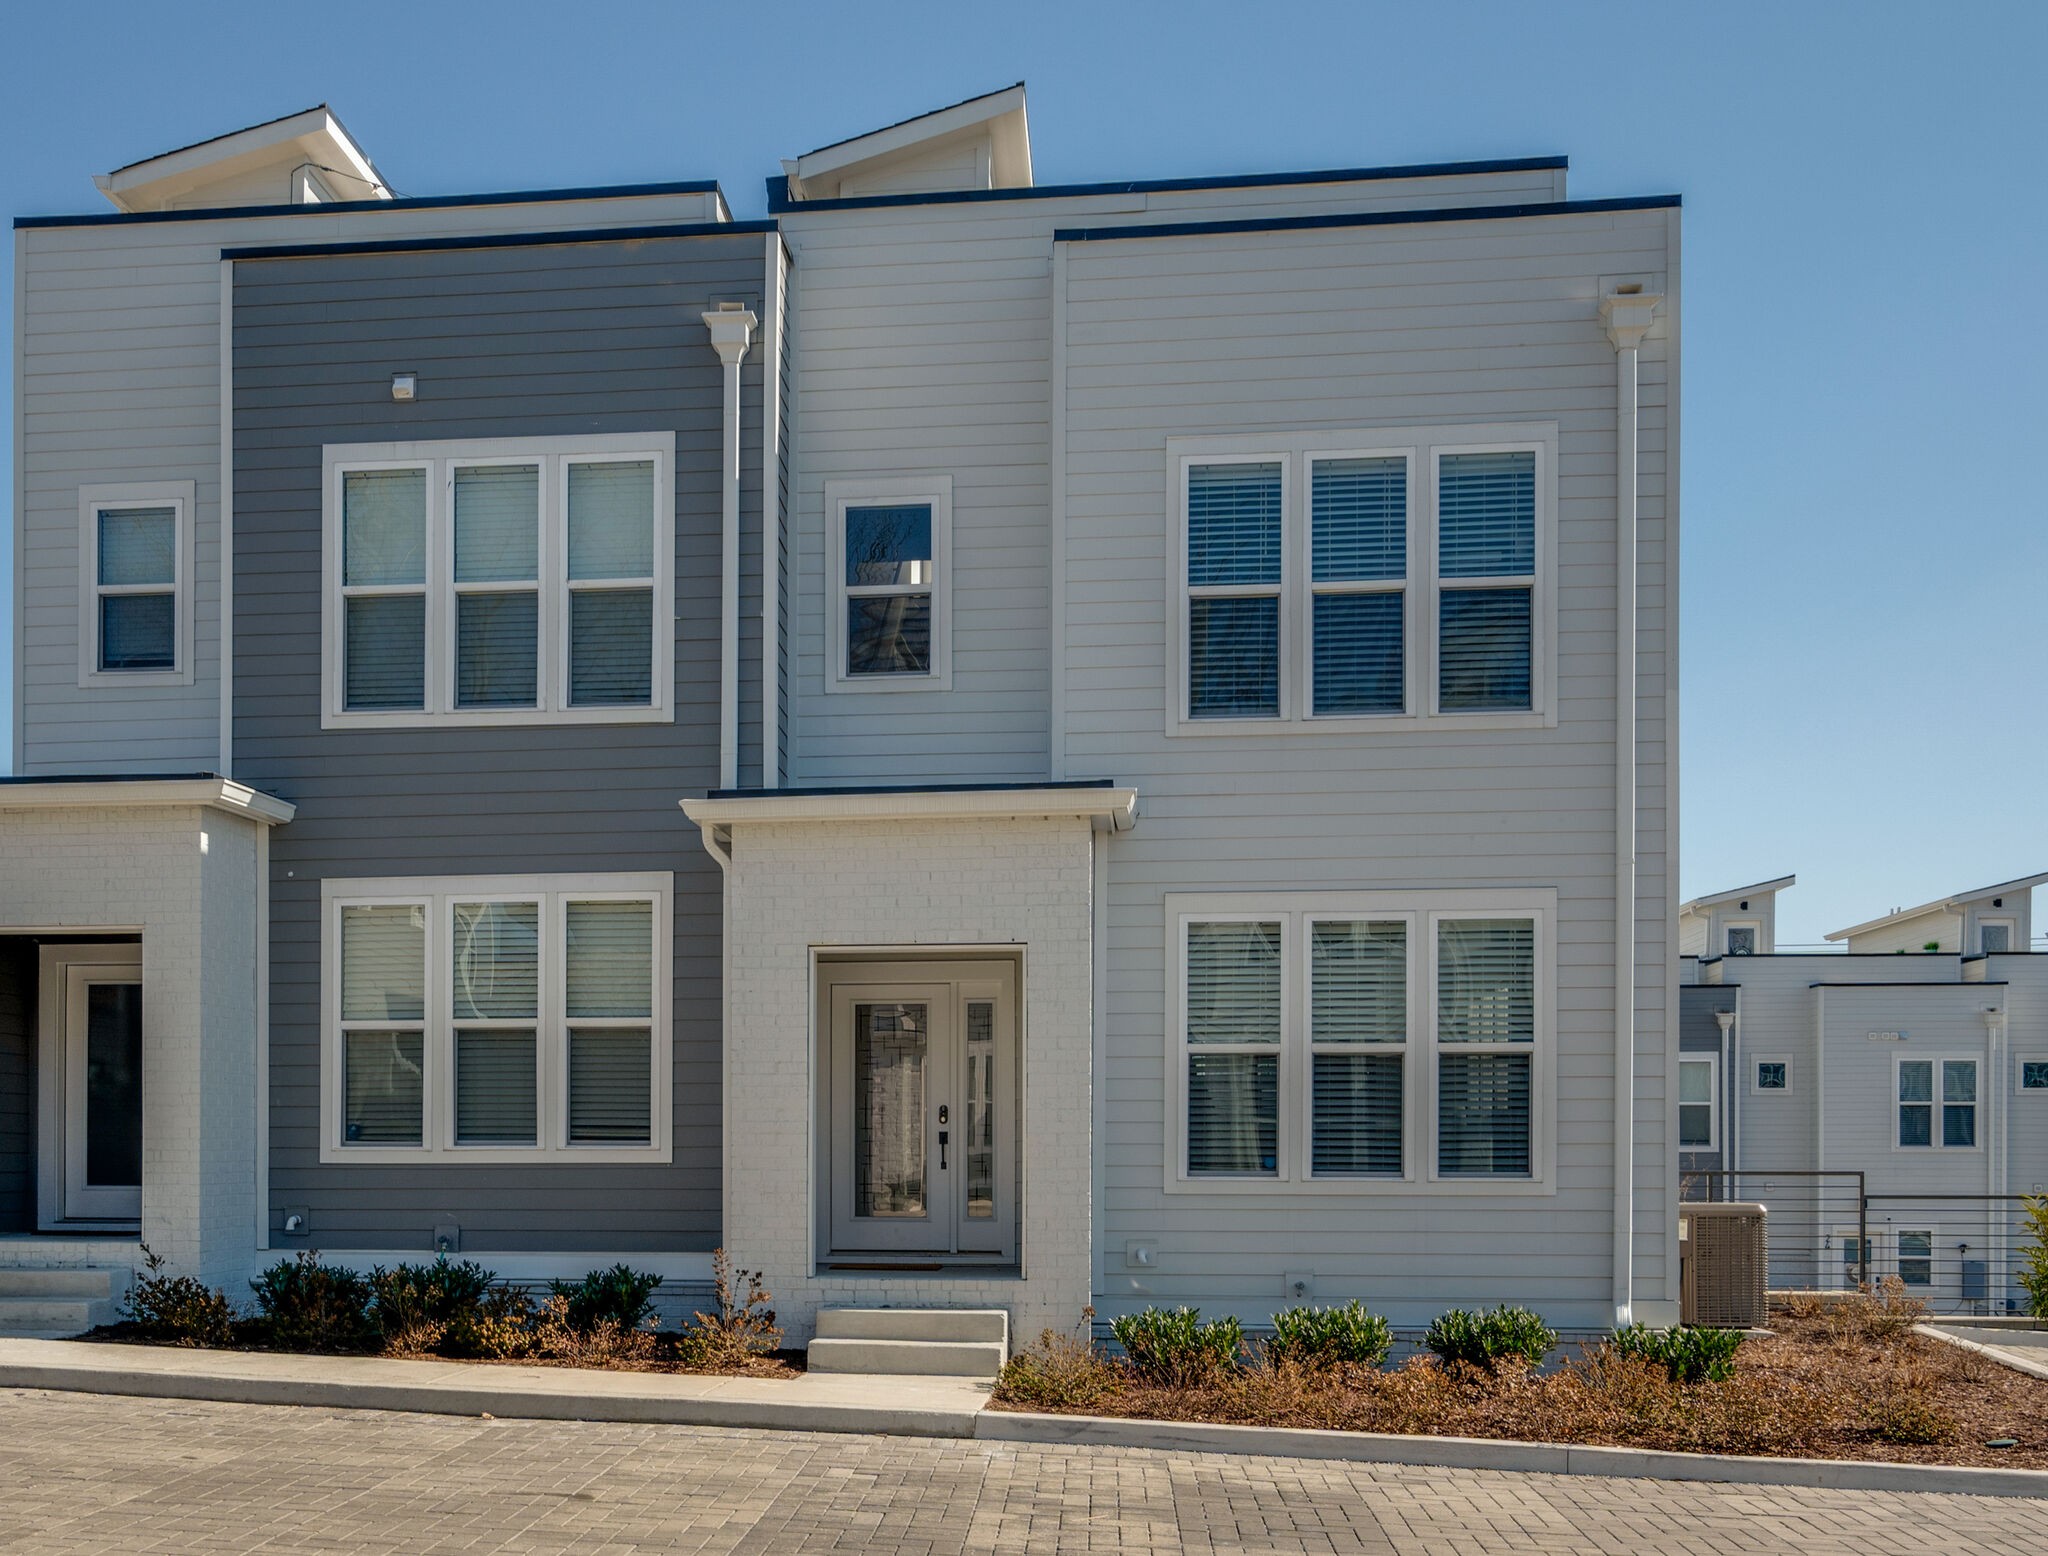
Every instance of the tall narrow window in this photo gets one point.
(497, 585)
(384, 588)
(383, 1024)
(1916, 1102)
(136, 570)
(1358, 1034)
(496, 991)
(890, 573)
(1959, 1102)
(1486, 578)
(1486, 1033)
(1233, 1049)
(1358, 523)
(610, 1018)
(1697, 1108)
(1916, 1258)
(611, 582)
(1234, 527)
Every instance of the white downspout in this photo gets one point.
(1731, 1042)
(732, 330)
(1997, 1107)
(1627, 315)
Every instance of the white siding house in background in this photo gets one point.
(1924, 1071)
(1189, 667)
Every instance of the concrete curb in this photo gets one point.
(503, 1392)
(1477, 1453)
(1998, 1353)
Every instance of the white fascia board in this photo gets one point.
(902, 137)
(316, 132)
(237, 799)
(1117, 807)
(1942, 905)
(1737, 893)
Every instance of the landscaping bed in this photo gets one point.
(449, 1311)
(1846, 1381)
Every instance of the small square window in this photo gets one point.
(2034, 1075)
(1742, 939)
(1773, 1075)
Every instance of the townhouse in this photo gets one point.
(1888, 1099)
(976, 743)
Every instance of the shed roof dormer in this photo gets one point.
(1987, 919)
(304, 158)
(1741, 921)
(982, 143)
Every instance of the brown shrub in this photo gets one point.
(603, 1344)
(1900, 1404)
(741, 1329)
(1883, 1317)
(1059, 1372)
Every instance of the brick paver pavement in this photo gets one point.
(89, 1473)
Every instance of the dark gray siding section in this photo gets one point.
(1700, 1033)
(785, 384)
(17, 1085)
(541, 341)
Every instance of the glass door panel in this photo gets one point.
(891, 1047)
(113, 1085)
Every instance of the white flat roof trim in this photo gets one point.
(237, 799)
(1737, 893)
(1119, 807)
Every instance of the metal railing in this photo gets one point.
(1961, 1254)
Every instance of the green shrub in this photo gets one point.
(310, 1306)
(1485, 1340)
(2033, 1272)
(1688, 1355)
(620, 1296)
(1174, 1347)
(498, 1324)
(414, 1296)
(1316, 1337)
(176, 1309)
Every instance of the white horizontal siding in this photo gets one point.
(120, 381)
(1366, 328)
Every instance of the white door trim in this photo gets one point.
(59, 1064)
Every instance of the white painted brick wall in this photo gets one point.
(793, 886)
(186, 877)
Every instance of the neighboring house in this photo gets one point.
(974, 743)
(1926, 1072)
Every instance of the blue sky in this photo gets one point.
(1866, 531)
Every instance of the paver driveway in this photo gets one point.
(90, 1473)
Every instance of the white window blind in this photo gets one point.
(1486, 1001)
(611, 582)
(495, 979)
(137, 568)
(497, 585)
(1233, 1034)
(384, 588)
(1358, 522)
(1486, 566)
(383, 1011)
(1358, 1030)
(1234, 536)
(610, 1009)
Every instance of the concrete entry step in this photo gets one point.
(907, 1358)
(983, 1326)
(38, 1318)
(84, 1285)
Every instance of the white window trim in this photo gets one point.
(2012, 933)
(1420, 446)
(554, 455)
(1900, 1256)
(438, 893)
(1754, 926)
(1713, 1064)
(853, 492)
(1934, 1130)
(1770, 1091)
(1421, 910)
(180, 495)
(2019, 1074)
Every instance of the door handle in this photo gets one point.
(942, 1149)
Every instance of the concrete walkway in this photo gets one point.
(84, 1474)
(2023, 1350)
(829, 1402)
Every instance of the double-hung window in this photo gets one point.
(1916, 1258)
(1361, 579)
(135, 584)
(1937, 1104)
(1699, 1098)
(889, 594)
(501, 581)
(1341, 1042)
(497, 1019)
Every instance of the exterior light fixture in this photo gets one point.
(405, 386)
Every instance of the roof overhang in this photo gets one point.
(1000, 115)
(314, 137)
(1737, 893)
(1112, 807)
(205, 790)
(1942, 905)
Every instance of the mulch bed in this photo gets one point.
(1850, 1383)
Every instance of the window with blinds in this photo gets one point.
(136, 586)
(1331, 1039)
(1320, 574)
(1234, 538)
(1698, 1088)
(451, 1009)
(507, 587)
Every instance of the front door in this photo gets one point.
(919, 1108)
(91, 1085)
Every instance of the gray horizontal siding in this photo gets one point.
(507, 343)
